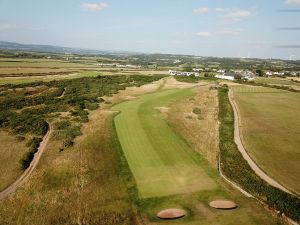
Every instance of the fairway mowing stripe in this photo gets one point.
(162, 163)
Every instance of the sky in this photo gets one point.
(222, 28)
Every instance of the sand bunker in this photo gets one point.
(171, 214)
(222, 204)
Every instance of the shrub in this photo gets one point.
(34, 144)
(20, 138)
(197, 111)
(68, 143)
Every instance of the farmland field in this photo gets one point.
(46, 78)
(270, 127)
(278, 82)
(40, 63)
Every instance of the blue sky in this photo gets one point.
(224, 28)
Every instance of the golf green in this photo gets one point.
(161, 162)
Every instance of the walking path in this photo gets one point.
(26, 174)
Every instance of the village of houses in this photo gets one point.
(217, 73)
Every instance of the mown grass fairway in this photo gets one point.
(270, 128)
(161, 162)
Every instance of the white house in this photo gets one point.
(105, 64)
(224, 77)
(172, 72)
(176, 73)
(198, 70)
(128, 66)
(269, 73)
(248, 78)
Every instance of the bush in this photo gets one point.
(197, 111)
(34, 144)
(68, 143)
(20, 138)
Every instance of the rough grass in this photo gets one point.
(11, 151)
(200, 131)
(161, 162)
(270, 129)
(81, 185)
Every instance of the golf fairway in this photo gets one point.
(161, 162)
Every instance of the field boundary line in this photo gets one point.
(242, 150)
(26, 174)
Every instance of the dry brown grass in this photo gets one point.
(11, 151)
(17, 70)
(131, 93)
(199, 130)
(80, 185)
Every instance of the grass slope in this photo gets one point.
(11, 151)
(81, 185)
(271, 128)
(161, 162)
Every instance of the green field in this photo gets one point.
(162, 163)
(271, 130)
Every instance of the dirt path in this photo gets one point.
(238, 141)
(26, 174)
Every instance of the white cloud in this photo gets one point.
(7, 26)
(204, 34)
(230, 31)
(201, 10)
(222, 9)
(292, 2)
(238, 14)
(94, 6)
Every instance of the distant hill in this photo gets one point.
(4, 45)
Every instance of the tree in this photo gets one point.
(259, 73)
(237, 76)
